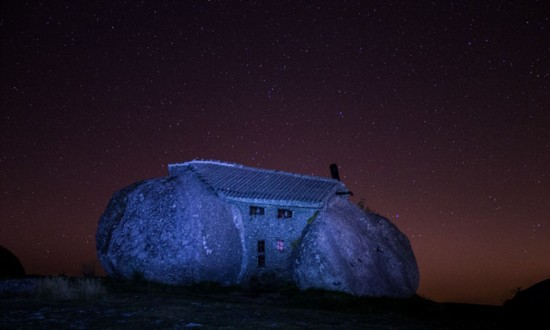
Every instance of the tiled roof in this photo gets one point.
(254, 185)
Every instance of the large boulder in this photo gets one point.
(10, 266)
(171, 230)
(347, 249)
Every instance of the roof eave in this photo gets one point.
(277, 202)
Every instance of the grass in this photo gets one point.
(140, 285)
(87, 288)
(64, 302)
(64, 288)
(288, 296)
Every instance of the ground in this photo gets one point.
(143, 306)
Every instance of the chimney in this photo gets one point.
(334, 172)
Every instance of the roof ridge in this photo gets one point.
(257, 169)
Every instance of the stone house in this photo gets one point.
(211, 221)
(275, 207)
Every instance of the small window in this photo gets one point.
(256, 210)
(280, 245)
(261, 260)
(261, 246)
(284, 214)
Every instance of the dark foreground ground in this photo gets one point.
(146, 306)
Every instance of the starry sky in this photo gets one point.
(437, 114)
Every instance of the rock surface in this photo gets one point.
(10, 266)
(170, 230)
(346, 249)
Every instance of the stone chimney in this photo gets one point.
(334, 172)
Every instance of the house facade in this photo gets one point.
(274, 206)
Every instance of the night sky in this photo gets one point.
(437, 113)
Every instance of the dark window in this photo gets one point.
(256, 210)
(284, 214)
(261, 260)
(261, 246)
(261, 253)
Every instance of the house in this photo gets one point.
(275, 207)
(211, 221)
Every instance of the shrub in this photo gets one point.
(313, 217)
(295, 243)
(63, 288)
(90, 288)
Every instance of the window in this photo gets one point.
(261, 246)
(280, 245)
(256, 210)
(261, 260)
(261, 253)
(284, 214)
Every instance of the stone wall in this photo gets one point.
(271, 229)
